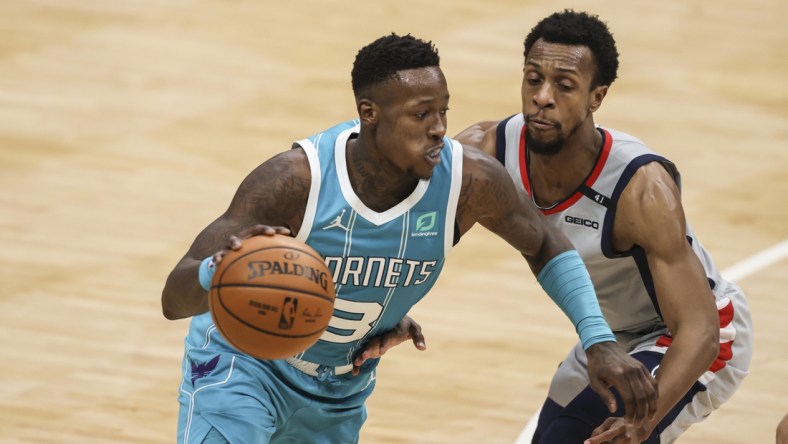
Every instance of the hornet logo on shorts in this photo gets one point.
(424, 224)
(201, 370)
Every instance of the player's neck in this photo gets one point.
(375, 181)
(555, 177)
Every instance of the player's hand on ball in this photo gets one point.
(234, 241)
(406, 329)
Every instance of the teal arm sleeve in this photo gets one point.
(566, 281)
(207, 268)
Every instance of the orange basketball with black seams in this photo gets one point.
(272, 298)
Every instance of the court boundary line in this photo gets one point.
(735, 272)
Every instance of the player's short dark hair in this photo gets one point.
(580, 28)
(382, 59)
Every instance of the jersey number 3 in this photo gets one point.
(358, 320)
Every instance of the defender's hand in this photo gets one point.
(609, 366)
(617, 430)
(406, 329)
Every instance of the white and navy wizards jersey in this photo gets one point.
(382, 263)
(623, 281)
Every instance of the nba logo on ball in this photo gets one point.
(289, 310)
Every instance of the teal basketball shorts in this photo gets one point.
(226, 394)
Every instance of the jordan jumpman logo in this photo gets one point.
(337, 222)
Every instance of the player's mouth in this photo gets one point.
(433, 155)
(540, 124)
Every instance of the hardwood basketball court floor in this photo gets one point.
(125, 127)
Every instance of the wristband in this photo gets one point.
(205, 275)
(566, 281)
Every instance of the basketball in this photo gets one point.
(273, 297)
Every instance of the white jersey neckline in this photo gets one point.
(340, 159)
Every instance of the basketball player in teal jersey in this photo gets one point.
(383, 199)
(619, 204)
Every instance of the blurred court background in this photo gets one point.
(126, 126)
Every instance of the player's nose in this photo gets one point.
(437, 128)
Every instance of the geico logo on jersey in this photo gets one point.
(580, 221)
(387, 272)
(424, 224)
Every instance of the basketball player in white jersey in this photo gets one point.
(620, 205)
(382, 199)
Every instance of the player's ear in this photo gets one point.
(368, 112)
(597, 96)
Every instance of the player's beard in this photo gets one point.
(548, 147)
(545, 148)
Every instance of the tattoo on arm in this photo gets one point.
(274, 194)
(463, 204)
(489, 196)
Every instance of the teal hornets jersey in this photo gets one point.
(381, 263)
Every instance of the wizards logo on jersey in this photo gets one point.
(424, 224)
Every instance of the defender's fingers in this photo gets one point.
(417, 336)
(641, 397)
(633, 411)
(638, 406)
(646, 389)
(604, 433)
(418, 341)
(390, 340)
(360, 359)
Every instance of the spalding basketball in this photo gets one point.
(273, 297)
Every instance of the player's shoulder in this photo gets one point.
(649, 212)
(478, 130)
(624, 149)
(624, 139)
(335, 130)
(282, 167)
(482, 135)
(620, 135)
(479, 166)
(474, 155)
(652, 197)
